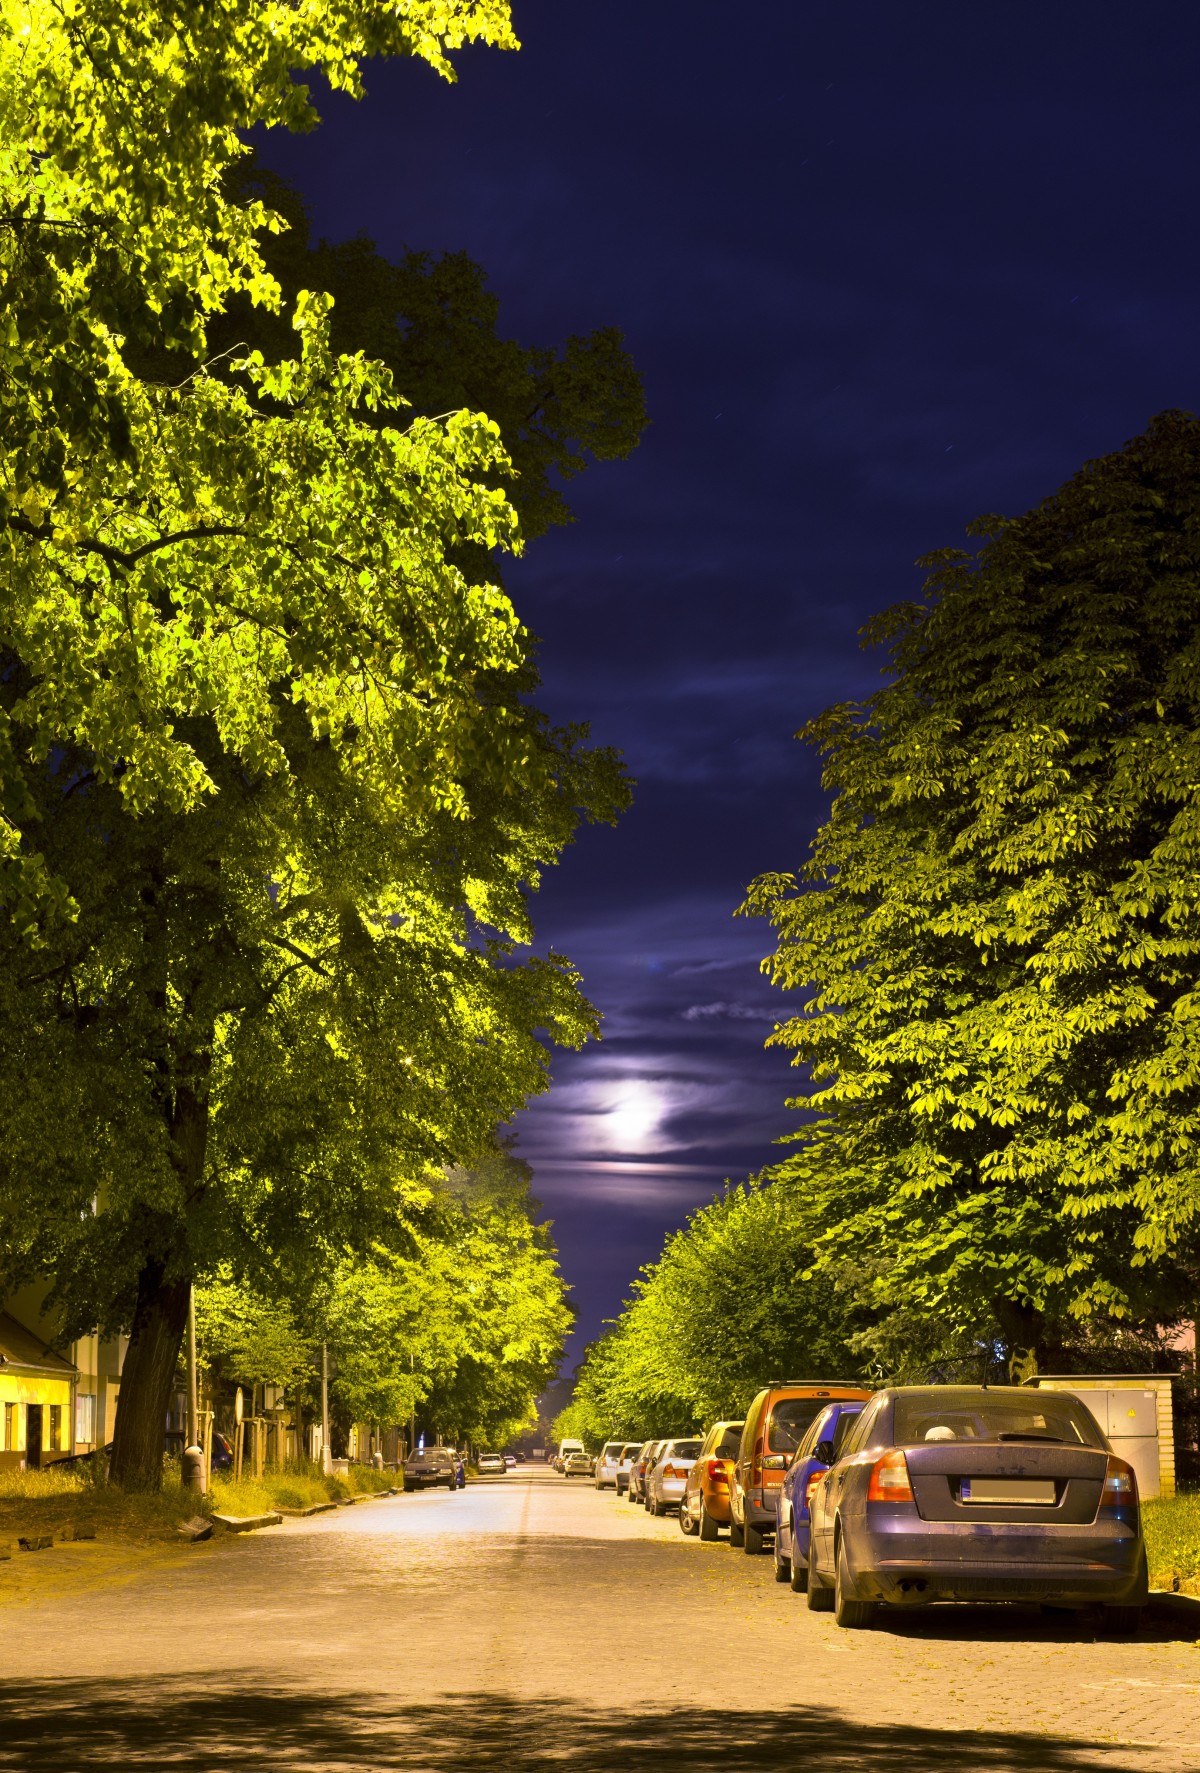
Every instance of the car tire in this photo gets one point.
(736, 1531)
(753, 1543)
(687, 1525)
(783, 1566)
(657, 1509)
(1120, 1619)
(452, 1486)
(818, 1596)
(709, 1529)
(798, 1574)
(851, 1614)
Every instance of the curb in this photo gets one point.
(246, 1523)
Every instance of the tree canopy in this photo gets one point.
(998, 930)
(274, 790)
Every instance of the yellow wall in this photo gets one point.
(19, 1389)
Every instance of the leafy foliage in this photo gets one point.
(273, 793)
(725, 1309)
(999, 928)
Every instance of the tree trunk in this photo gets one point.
(148, 1379)
(160, 1317)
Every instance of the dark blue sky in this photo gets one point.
(882, 268)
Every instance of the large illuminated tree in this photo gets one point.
(272, 790)
(997, 935)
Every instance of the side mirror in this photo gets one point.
(824, 1452)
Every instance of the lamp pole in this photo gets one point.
(326, 1453)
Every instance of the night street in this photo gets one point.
(531, 1620)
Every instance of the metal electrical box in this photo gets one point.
(1132, 1412)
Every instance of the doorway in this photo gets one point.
(33, 1437)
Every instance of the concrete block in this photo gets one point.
(195, 1530)
(36, 1542)
(246, 1523)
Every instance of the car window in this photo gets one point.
(817, 1431)
(789, 1420)
(856, 1437)
(730, 1441)
(954, 1413)
(684, 1449)
(845, 1423)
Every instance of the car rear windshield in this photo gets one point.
(978, 1415)
(728, 1445)
(789, 1419)
(684, 1449)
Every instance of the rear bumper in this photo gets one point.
(670, 1491)
(908, 1561)
(716, 1505)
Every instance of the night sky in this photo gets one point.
(882, 268)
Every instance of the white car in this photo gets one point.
(608, 1464)
(491, 1462)
(666, 1483)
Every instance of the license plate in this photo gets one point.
(1027, 1492)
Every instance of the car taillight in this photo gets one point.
(1120, 1485)
(810, 1486)
(889, 1479)
(668, 1471)
(716, 1472)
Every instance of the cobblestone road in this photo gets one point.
(532, 1620)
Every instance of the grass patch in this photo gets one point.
(50, 1501)
(1172, 1528)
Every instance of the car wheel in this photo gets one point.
(709, 1529)
(798, 1577)
(736, 1532)
(783, 1566)
(752, 1540)
(687, 1525)
(819, 1597)
(452, 1485)
(851, 1614)
(657, 1509)
(1121, 1619)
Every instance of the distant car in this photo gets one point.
(434, 1466)
(491, 1462)
(705, 1505)
(967, 1493)
(667, 1481)
(820, 1448)
(510, 1463)
(638, 1469)
(577, 1465)
(629, 1453)
(608, 1464)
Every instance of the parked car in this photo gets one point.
(820, 1448)
(431, 1465)
(967, 1493)
(775, 1424)
(705, 1505)
(510, 1463)
(491, 1463)
(607, 1464)
(629, 1453)
(577, 1465)
(638, 1470)
(667, 1478)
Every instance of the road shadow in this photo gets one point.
(1175, 1619)
(66, 1726)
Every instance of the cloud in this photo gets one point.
(726, 1012)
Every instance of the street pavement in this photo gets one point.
(532, 1620)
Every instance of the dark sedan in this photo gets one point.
(972, 1493)
(431, 1465)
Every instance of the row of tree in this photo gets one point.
(274, 792)
(996, 945)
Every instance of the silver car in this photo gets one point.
(607, 1464)
(666, 1481)
(639, 1471)
(629, 1453)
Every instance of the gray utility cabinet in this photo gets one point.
(1134, 1411)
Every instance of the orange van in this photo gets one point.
(775, 1425)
